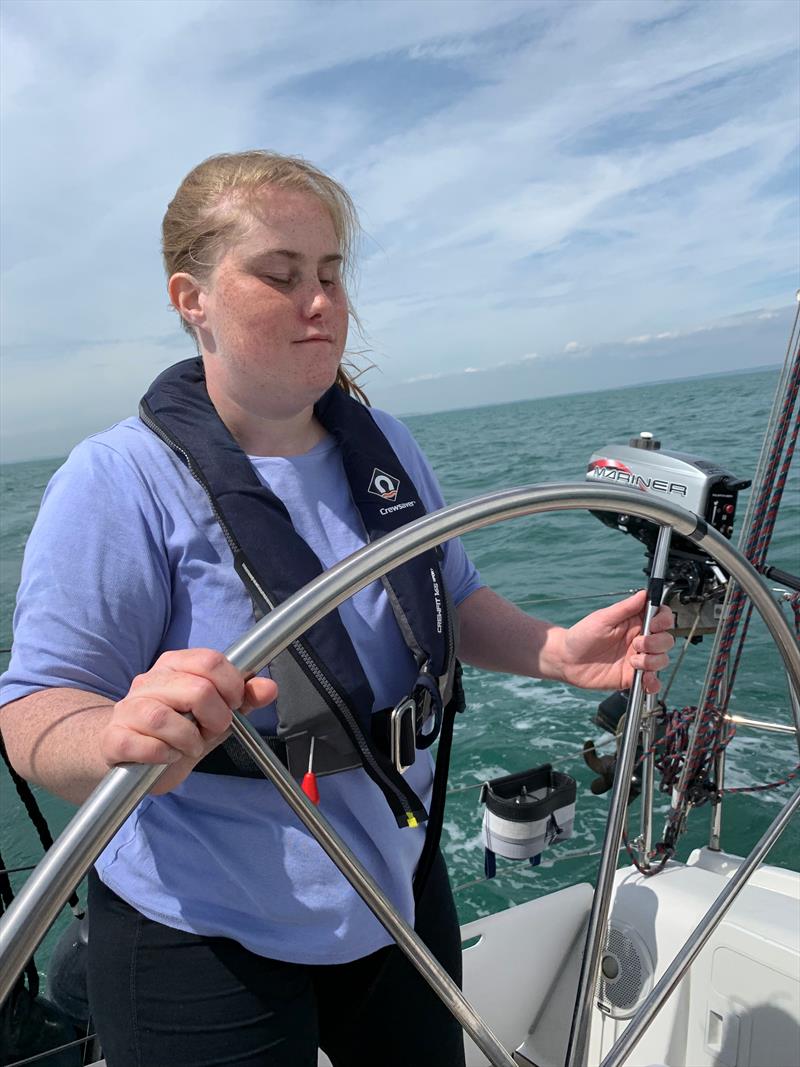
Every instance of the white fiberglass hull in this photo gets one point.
(739, 1005)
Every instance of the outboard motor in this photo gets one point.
(695, 583)
(611, 718)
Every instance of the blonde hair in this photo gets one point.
(204, 217)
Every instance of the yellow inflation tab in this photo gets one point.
(411, 819)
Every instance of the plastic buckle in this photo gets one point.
(429, 707)
(424, 706)
(403, 734)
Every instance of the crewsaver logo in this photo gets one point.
(384, 485)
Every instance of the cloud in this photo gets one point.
(456, 49)
(527, 172)
(665, 335)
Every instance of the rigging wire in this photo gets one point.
(560, 758)
(681, 655)
(709, 730)
(510, 868)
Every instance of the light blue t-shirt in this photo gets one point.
(126, 561)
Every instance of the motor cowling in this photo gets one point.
(695, 583)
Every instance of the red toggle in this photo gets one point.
(309, 787)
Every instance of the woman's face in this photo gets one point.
(275, 310)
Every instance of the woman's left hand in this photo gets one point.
(603, 650)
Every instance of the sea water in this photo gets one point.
(558, 566)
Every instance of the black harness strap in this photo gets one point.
(433, 831)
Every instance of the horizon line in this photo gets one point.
(505, 403)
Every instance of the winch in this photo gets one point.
(695, 583)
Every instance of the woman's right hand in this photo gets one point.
(152, 724)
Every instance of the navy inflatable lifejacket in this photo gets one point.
(332, 706)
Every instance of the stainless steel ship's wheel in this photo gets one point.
(39, 902)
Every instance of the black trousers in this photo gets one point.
(164, 998)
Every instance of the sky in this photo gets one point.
(555, 195)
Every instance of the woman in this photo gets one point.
(220, 931)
